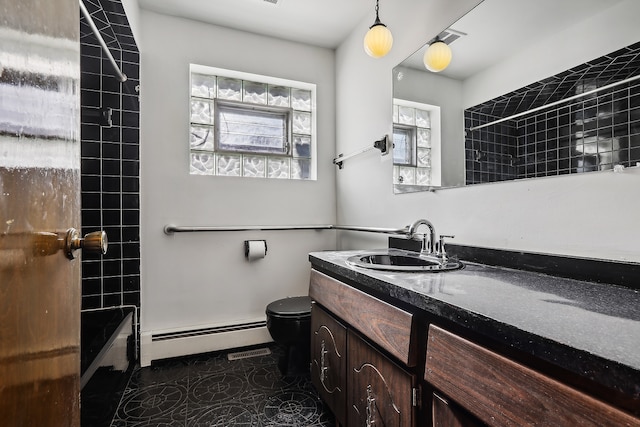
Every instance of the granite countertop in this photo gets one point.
(591, 329)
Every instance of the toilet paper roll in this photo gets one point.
(255, 249)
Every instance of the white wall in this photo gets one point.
(132, 9)
(592, 215)
(202, 279)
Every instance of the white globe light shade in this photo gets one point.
(437, 57)
(378, 41)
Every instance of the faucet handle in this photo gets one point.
(441, 250)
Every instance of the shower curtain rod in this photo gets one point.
(121, 76)
(542, 107)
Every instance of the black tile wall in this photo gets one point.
(490, 152)
(110, 158)
(595, 132)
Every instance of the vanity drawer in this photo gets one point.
(388, 326)
(501, 392)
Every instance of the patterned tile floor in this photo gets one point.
(209, 390)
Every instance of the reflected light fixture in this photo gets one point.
(378, 40)
(437, 57)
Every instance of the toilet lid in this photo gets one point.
(290, 307)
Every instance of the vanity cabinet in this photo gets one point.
(500, 392)
(329, 360)
(362, 352)
(380, 393)
(448, 414)
(477, 360)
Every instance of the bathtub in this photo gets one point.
(108, 351)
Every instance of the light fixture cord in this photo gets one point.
(377, 22)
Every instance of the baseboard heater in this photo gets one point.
(163, 345)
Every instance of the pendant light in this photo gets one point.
(437, 57)
(378, 40)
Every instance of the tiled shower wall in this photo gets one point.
(594, 132)
(110, 158)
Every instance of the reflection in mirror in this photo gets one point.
(416, 144)
(534, 89)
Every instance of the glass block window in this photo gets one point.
(252, 126)
(411, 145)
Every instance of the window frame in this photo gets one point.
(270, 110)
(411, 132)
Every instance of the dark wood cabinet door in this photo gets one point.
(329, 360)
(380, 393)
(504, 393)
(387, 325)
(445, 414)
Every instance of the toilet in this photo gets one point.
(289, 323)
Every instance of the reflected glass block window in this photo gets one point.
(423, 176)
(424, 157)
(406, 115)
(411, 145)
(404, 175)
(252, 126)
(423, 137)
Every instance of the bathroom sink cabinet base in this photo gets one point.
(372, 368)
(361, 384)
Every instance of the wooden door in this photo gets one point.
(379, 392)
(329, 360)
(39, 201)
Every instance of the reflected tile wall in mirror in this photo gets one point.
(595, 132)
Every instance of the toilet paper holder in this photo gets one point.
(247, 247)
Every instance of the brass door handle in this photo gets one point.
(44, 243)
(93, 243)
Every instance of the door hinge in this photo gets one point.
(416, 396)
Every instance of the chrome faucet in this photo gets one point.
(412, 231)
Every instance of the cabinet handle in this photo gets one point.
(323, 369)
(325, 360)
(371, 407)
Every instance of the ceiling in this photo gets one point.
(324, 23)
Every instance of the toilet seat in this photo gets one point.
(293, 307)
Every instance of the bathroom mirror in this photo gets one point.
(556, 59)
